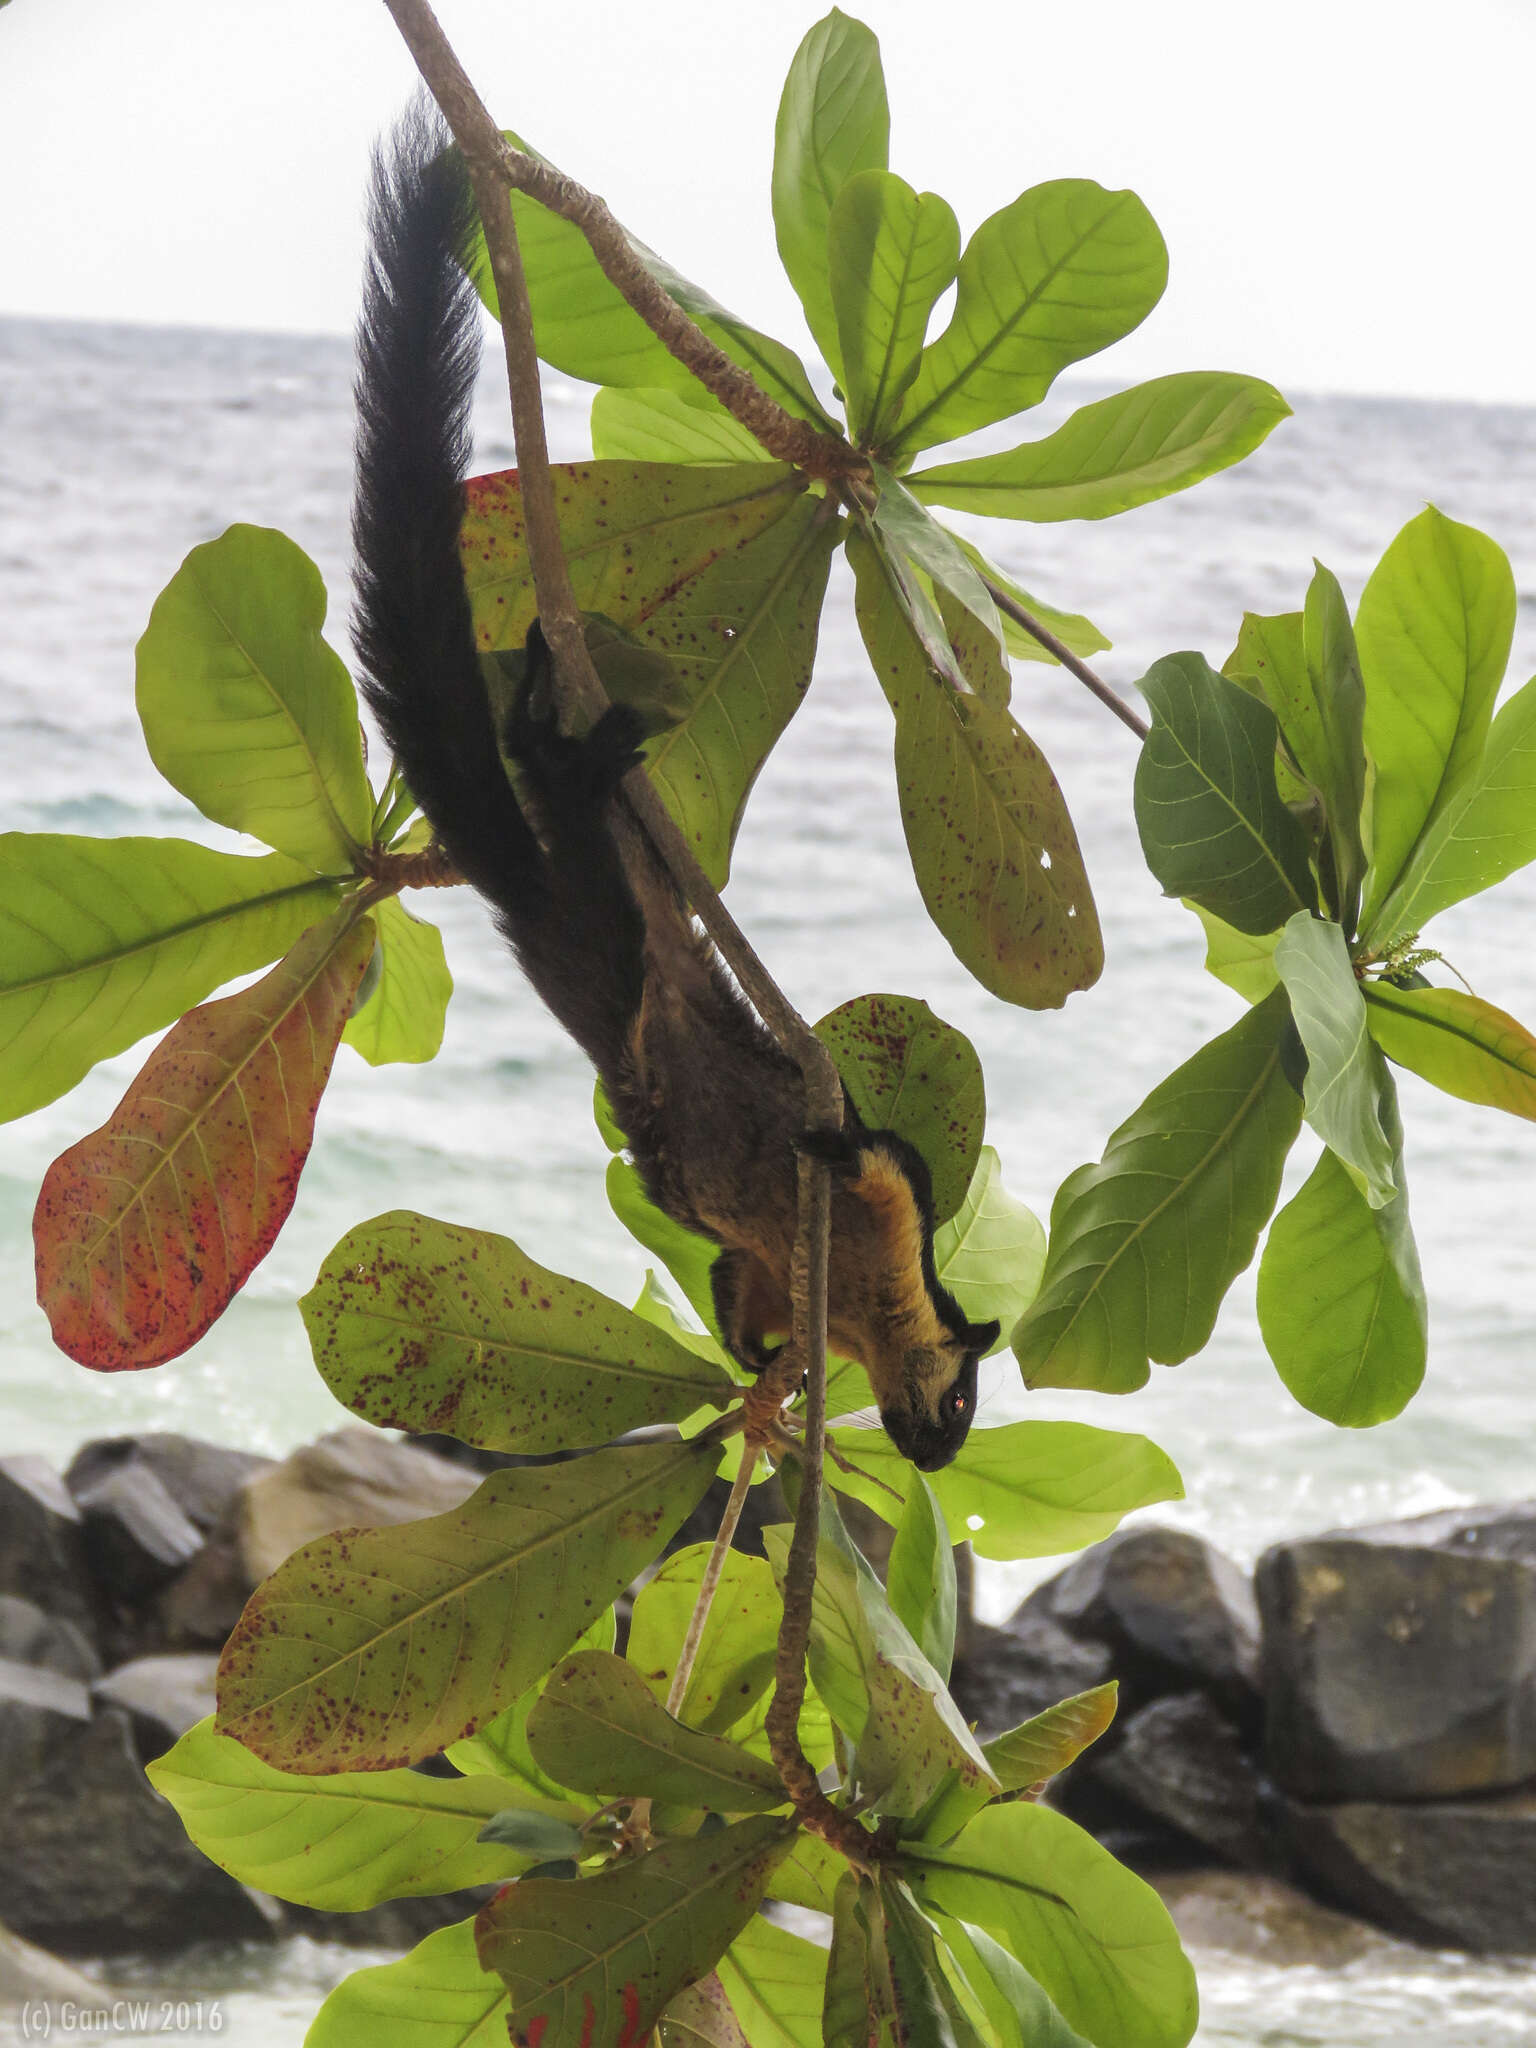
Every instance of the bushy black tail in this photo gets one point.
(418, 347)
(571, 916)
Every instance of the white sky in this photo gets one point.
(1346, 186)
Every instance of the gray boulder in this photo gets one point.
(97, 1863)
(1400, 1660)
(1180, 1760)
(1267, 1921)
(1451, 1873)
(1173, 1610)
(42, 1548)
(39, 1710)
(136, 1537)
(354, 1478)
(29, 1636)
(201, 1478)
(31, 1975)
(164, 1696)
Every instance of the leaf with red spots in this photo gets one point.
(701, 2017)
(992, 846)
(910, 1072)
(146, 1229)
(376, 1647)
(592, 1962)
(599, 1729)
(721, 570)
(424, 1326)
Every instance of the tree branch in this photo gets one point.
(677, 1691)
(1063, 653)
(484, 152)
(781, 433)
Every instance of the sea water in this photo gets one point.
(122, 448)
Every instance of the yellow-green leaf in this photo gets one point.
(245, 707)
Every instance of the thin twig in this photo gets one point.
(677, 1691)
(1085, 675)
(487, 158)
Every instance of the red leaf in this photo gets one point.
(146, 1230)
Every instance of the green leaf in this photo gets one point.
(1212, 825)
(720, 570)
(246, 709)
(893, 252)
(733, 1666)
(774, 1980)
(1345, 1075)
(1040, 1747)
(1483, 833)
(992, 847)
(926, 1994)
(920, 1578)
(402, 1019)
(668, 426)
(877, 1685)
(436, 1997)
(1098, 1939)
(1243, 960)
(336, 1843)
(105, 940)
(1270, 661)
(1024, 1758)
(598, 1728)
(1064, 271)
(833, 122)
(1457, 1042)
(743, 646)
(910, 1072)
(1340, 1299)
(1434, 630)
(991, 1252)
(535, 1834)
(908, 529)
(1117, 453)
(1145, 1244)
(1020, 2013)
(860, 2003)
(422, 1325)
(686, 1256)
(591, 1963)
(1079, 635)
(500, 1746)
(373, 1647)
(1328, 739)
(809, 1875)
(1021, 1489)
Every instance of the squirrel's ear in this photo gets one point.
(980, 1337)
